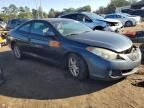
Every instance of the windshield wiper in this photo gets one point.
(72, 34)
(85, 31)
(76, 33)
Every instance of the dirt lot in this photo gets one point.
(32, 83)
(139, 27)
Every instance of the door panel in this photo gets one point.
(40, 42)
(23, 39)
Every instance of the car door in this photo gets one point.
(121, 18)
(22, 36)
(42, 35)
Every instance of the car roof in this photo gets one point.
(52, 19)
(85, 13)
(116, 14)
(20, 19)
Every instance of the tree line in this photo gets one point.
(12, 11)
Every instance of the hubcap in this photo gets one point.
(128, 24)
(73, 68)
(17, 52)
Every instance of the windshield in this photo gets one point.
(67, 28)
(93, 16)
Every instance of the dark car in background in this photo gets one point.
(135, 12)
(66, 42)
(12, 23)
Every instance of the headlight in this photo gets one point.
(104, 53)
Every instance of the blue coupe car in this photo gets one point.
(86, 53)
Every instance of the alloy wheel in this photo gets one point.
(73, 66)
(17, 52)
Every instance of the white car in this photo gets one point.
(125, 20)
(94, 21)
(137, 18)
(114, 25)
(2, 25)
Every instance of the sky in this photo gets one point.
(56, 4)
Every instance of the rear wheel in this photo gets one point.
(128, 24)
(17, 52)
(77, 67)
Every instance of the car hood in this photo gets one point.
(110, 20)
(103, 39)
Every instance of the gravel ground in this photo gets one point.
(32, 83)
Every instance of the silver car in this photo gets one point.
(94, 21)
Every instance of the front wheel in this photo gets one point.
(129, 24)
(142, 50)
(77, 67)
(17, 52)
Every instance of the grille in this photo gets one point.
(128, 51)
(126, 71)
(131, 53)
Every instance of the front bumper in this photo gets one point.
(112, 70)
(113, 28)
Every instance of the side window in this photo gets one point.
(87, 19)
(67, 16)
(40, 28)
(13, 22)
(72, 16)
(118, 16)
(80, 17)
(109, 16)
(25, 28)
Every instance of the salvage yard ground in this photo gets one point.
(32, 83)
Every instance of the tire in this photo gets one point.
(129, 24)
(77, 67)
(142, 50)
(17, 52)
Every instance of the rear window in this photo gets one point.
(110, 16)
(14, 22)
